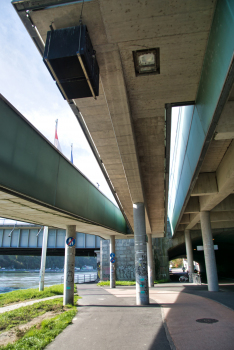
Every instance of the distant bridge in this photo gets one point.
(24, 239)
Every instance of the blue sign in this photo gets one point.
(70, 241)
(112, 260)
(112, 255)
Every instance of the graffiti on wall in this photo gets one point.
(125, 273)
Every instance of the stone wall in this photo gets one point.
(124, 262)
(125, 258)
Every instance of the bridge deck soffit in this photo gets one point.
(127, 121)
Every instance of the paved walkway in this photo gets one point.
(25, 303)
(108, 319)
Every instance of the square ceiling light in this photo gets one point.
(146, 61)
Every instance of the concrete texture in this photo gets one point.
(189, 250)
(150, 261)
(141, 268)
(112, 264)
(125, 258)
(106, 320)
(208, 244)
(127, 121)
(189, 334)
(69, 267)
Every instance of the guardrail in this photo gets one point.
(83, 278)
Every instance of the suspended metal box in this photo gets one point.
(72, 62)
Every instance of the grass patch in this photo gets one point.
(25, 314)
(25, 294)
(117, 283)
(39, 336)
(162, 281)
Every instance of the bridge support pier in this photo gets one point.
(69, 266)
(142, 289)
(112, 261)
(43, 258)
(189, 250)
(211, 269)
(150, 261)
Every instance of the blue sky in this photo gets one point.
(26, 83)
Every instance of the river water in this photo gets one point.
(11, 280)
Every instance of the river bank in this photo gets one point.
(31, 323)
(13, 280)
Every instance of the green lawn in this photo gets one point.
(37, 337)
(25, 314)
(117, 283)
(161, 281)
(26, 294)
(127, 283)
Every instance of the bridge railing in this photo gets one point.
(83, 278)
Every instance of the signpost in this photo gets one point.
(70, 241)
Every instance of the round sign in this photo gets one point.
(70, 241)
(112, 255)
(112, 260)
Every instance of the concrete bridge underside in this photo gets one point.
(129, 113)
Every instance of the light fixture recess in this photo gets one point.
(146, 61)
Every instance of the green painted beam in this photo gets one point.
(214, 86)
(32, 167)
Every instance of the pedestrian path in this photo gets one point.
(25, 303)
(181, 310)
(105, 321)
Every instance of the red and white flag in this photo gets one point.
(56, 140)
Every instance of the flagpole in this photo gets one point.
(72, 153)
(56, 130)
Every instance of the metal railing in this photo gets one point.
(83, 278)
(194, 278)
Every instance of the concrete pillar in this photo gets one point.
(150, 261)
(112, 261)
(189, 251)
(43, 258)
(211, 269)
(69, 265)
(97, 252)
(142, 289)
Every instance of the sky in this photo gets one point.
(27, 84)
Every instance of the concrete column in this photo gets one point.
(112, 261)
(142, 289)
(69, 265)
(43, 259)
(189, 250)
(211, 269)
(150, 261)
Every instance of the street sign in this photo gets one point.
(70, 241)
(112, 260)
(112, 255)
(200, 247)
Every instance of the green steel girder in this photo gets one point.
(31, 167)
(215, 84)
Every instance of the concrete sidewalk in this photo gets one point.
(105, 321)
(108, 319)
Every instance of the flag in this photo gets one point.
(72, 153)
(56, 140)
